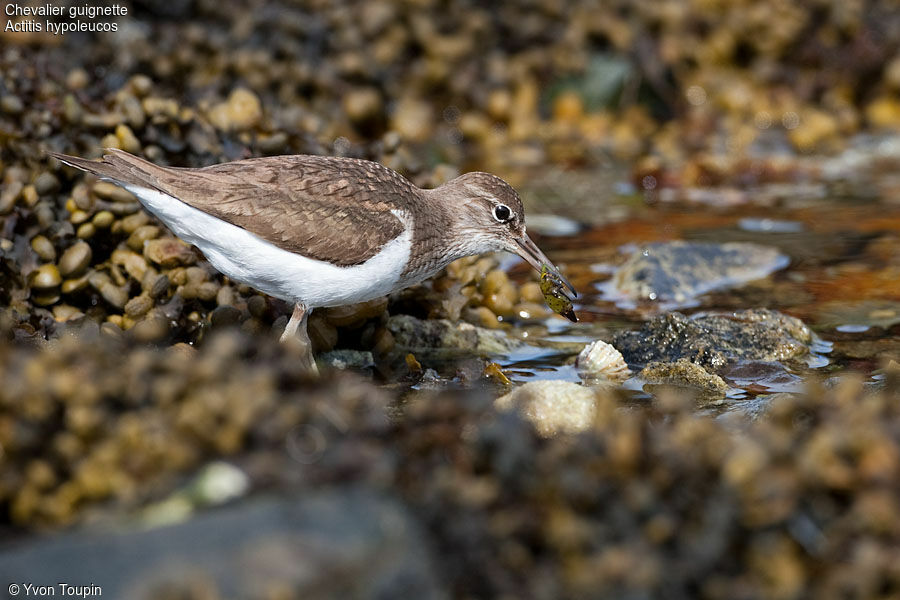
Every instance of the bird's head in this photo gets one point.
(490, 218)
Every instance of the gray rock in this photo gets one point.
(450, 337)
(714, 340)
(346, 359)
(340, 543)
(679, 272)
(684, 378)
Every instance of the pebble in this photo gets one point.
(30, 195)
(46, 183)
(86, 231)
(112, 192)
(75, 259)
(9, 195)
(160, 286)
(141, 235)
(45, 277)
(138, 306)
(223, 316)
(127, 139)
(11, 104)
(103, 219)
(43, 248)
(169, 252)
(77, 79)
(242, 110)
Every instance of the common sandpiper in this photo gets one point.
(320, 231)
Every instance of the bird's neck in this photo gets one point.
(437, 237)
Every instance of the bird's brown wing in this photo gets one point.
(331, 209)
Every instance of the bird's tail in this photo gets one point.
(116, 166)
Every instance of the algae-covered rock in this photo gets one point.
(714, 340)
(704, 387)
(443, 336)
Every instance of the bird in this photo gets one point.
(323, 231)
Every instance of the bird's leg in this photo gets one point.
(295, 332)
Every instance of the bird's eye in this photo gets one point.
(502, 213)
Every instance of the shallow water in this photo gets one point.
(842, 279)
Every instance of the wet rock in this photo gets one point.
(553, 406)
(46, 276)
(46, 183)
(75, 260)
(441, 335)
(224, 316)
(138, 306)
(714, 340)
(9, 195)
(113, 193)
(11, 104)
(347, 359)
(679, 272)
(684, 372)
(242, 110)
(43, 248)
(169, 252)
(297, 543)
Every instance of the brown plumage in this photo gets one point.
(330, 209)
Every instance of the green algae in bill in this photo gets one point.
(555, 295)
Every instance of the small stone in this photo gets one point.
(110, 141)
(45, 277)
(103, 219)
(46, 183)
(78, 217)
(224, 316)
(112, 192)
(75, 259)
(43, 248)
(242, 110)
(11, 104)
(115, 295)
(169, 252)
(30, 195)
(142, 235)
(257, 306)
(134, 112)
(77, 79)
(160, 106)
(152, 328)
(86, 231)
(127, 139)
(132, 222)
(138, 306)
(70, 286)
(160, 286)
(9, 195)
(362, 105)
(141, 84)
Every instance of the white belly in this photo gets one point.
(247, 258)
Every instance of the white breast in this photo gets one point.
(247, 258)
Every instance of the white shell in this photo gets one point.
(599, 360)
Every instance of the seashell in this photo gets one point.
(599, 360)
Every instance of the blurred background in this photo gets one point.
(734, 161)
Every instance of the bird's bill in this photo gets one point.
(537, 259)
